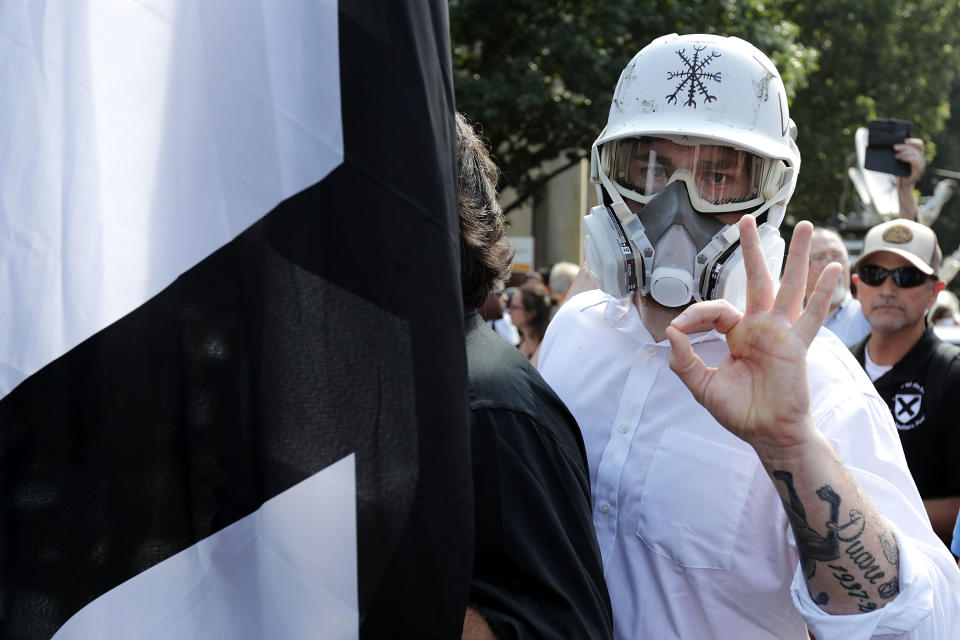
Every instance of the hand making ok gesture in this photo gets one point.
(760, 391)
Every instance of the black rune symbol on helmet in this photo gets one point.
(693, 77)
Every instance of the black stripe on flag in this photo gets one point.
(333, 326)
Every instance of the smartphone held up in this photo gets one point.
(880, 155)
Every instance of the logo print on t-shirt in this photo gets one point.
(907, 406)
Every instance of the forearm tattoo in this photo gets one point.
(854, 568)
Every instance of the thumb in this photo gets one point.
(686, 364)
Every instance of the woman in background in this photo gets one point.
(530, 308)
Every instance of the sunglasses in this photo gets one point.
(903, 277)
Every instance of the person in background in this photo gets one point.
(561, 277)
(537, 571)
(494, 313)
(916, 373)
(582, 282)
(946, 310)
(530, 311)
(532, 277)
(844, 317)
(955, 545)
(747, 479)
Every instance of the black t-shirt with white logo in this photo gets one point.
(923, 393)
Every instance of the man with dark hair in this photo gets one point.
(494, 313)
(537, 571)
(913, 370)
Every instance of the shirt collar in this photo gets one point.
(622, 315)
(920, 354)
(913, 363)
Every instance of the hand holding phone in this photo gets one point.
(880, 155)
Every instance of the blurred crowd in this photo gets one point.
(520, 313)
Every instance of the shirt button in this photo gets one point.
(604, 508)
(624, 427)
(652, 351)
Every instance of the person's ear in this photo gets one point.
(937, 287)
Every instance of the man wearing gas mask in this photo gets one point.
(747, 480)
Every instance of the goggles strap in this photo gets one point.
(619, 207)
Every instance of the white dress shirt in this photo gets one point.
(695, 542)
(848, 323)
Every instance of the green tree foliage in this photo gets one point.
(891, 58)
(539, 74)
(947, 158)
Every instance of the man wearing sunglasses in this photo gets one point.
(536, 571)
(915, 372)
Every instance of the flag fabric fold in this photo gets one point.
(229, 259)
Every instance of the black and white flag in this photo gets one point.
(232, 377)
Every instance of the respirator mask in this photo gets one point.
(707, 116)
(674, 248)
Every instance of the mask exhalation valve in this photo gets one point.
(672, 281)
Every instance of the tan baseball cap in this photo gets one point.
(911, 240)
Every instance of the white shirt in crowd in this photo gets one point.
(847, 322)
(694, 539)
(505, 328)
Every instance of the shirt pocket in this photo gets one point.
(693, 500)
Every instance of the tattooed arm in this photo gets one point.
(848, 552)
(760, 393)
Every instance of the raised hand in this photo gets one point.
(760, 391)
(911, 152)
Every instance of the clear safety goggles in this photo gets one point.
(719, 178)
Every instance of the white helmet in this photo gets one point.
(703, 97)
